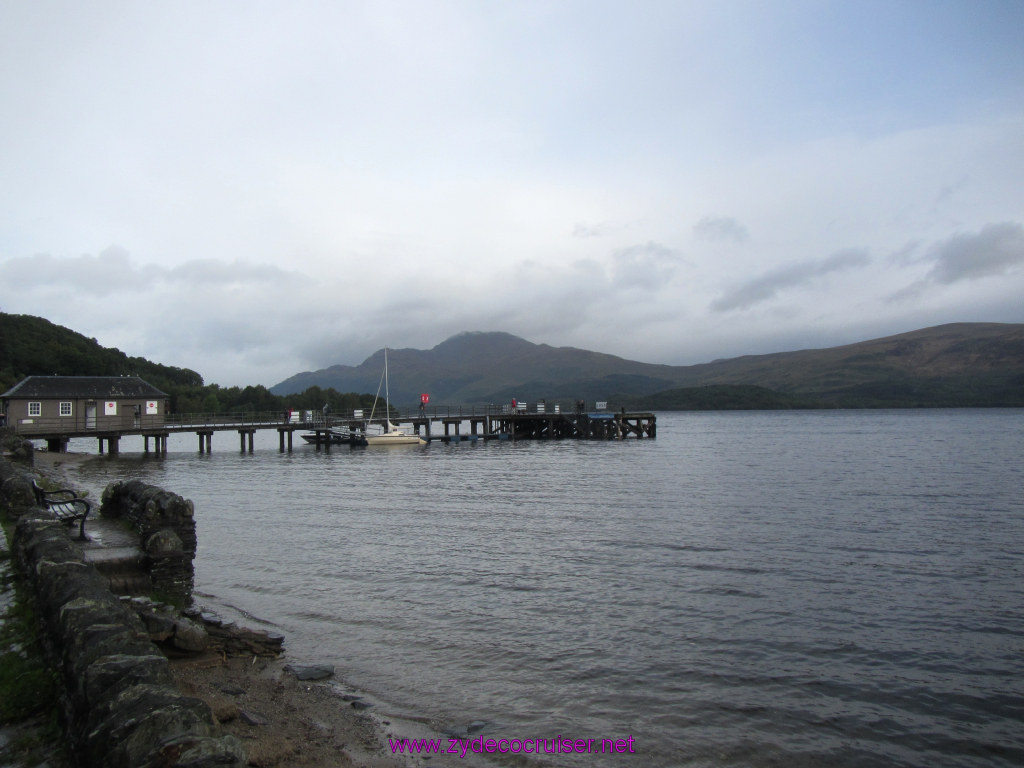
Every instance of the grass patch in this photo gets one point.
(28, 685)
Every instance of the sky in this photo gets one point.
(254, 189)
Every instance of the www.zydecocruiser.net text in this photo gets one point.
(480, 745)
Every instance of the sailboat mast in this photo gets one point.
(387, 394)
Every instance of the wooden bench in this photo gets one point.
(66, 504)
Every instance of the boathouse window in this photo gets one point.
(35, 409)
(65, 409)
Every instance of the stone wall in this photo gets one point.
(15, 447)
(167, 533)
(15, 485)
(121, 708)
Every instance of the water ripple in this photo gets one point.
(763, 589)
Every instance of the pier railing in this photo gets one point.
(475, 411)
(296, 418)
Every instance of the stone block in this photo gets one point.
(189, 636)
(109, 676)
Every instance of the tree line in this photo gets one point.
(213, 398)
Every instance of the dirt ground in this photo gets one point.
(283, 721)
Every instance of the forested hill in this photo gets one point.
(32, 346)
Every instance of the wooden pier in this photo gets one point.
(510, 425)
(445, 424)
(577, 426)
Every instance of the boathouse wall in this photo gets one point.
(44, 405)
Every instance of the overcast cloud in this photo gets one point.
(252, 189)
(767, 286)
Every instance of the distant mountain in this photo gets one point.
(489, 367)
(961, 364)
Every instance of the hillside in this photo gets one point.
(32, 346)
(719, 397)
(961, 364)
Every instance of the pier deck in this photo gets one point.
(440, 423)
(517, 426)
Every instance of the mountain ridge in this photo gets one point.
(950, 364)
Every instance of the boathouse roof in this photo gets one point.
(79, 387)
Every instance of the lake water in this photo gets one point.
(837, 588)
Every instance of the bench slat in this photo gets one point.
(66, 504)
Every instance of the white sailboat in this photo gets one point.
(391, 434)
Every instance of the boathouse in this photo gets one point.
(82, 405)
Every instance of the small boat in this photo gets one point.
(393, 435)
(335, 436)
(390, 434)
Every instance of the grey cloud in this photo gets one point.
(644, 266)
(948, 192)
(994, 250)
(767, 285)
(587, 230)
(720, 228)
(909, 293)
(907, 254)
(100, 275)
(113, 271)
(207, 271)
(204, 335)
